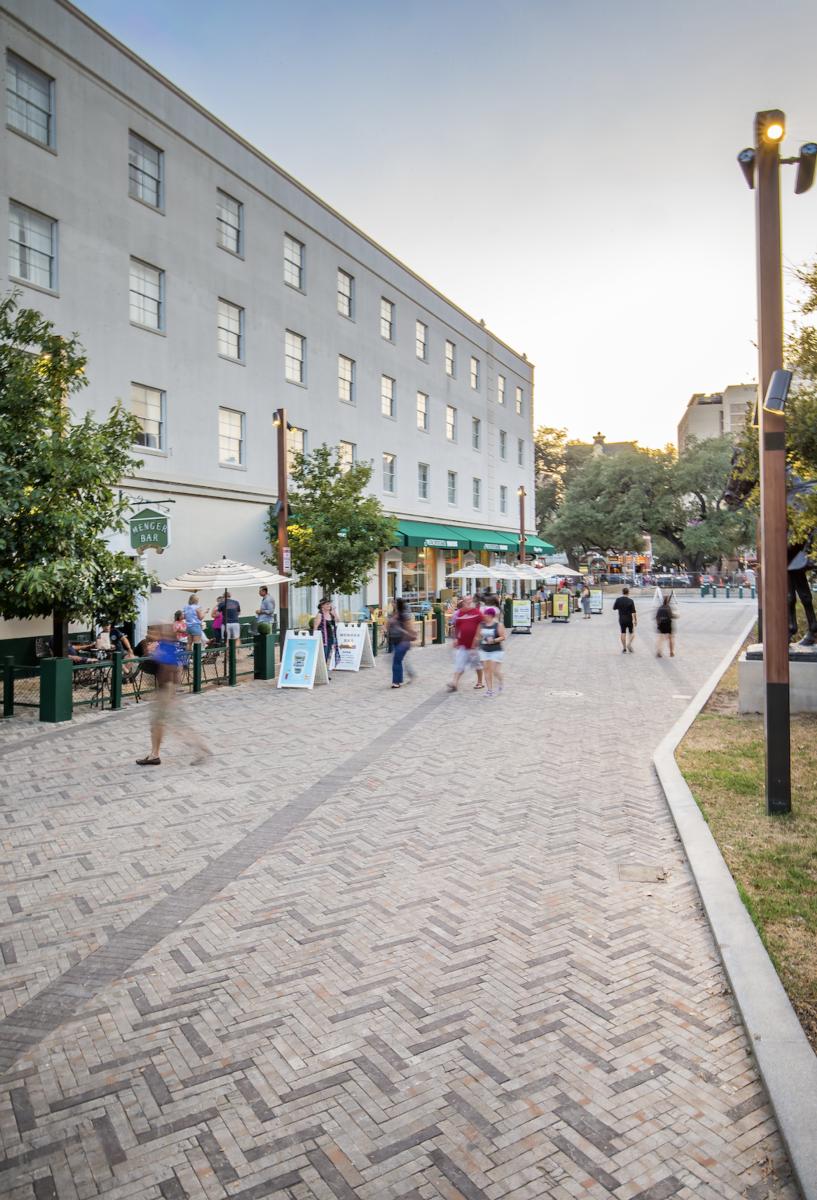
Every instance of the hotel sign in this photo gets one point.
(149, 530)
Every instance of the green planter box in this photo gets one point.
(264, 656)
(56, 689)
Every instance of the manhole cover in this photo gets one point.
(638, 873)
(557, 695)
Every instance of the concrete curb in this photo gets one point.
(785, 1060)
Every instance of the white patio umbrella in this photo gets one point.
(476, 571)
(222, 575)
(556, 571)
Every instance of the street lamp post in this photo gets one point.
(281, 424)
(521, 493)
(761, 167)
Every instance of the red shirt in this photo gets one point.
(468, 622)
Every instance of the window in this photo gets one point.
(296, 444)
(347, 454)
(421, 340)
(294, 357)
(229, 222)
(294, 262)
(519, 401)
(476, 492)
(32, 246)
(147, 287)
(422, 481)
(389, 463)
(452, 487)
(386, 319)
(520, 451)
(474, 373)
(422, 411)
(29, 100)
(503, 444)
(346, 292)
(144, 170)
(503, 498)
(450, 423)
(476, 433)
(230, 437)
(230, 330)
(346, 379)
(500, 389)
(148, 406)
(387, 396)
(450, 359)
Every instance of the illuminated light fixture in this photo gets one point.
(771, 126)
(774, 132)
(806, 164)
(775, 399)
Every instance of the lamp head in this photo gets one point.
(770, 127)
(775, 399)
(276, 419)
(806, 164)
(746, 159)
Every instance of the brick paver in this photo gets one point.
(384, 945)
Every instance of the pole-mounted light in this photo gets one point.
(777, 392)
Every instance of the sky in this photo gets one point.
(564, 169)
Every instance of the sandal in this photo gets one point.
(477, 686)
(147, 761)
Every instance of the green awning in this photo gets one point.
(532, 542)
(491, 539)
(424, 533)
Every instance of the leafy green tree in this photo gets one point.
(58, 482)
(335, 531)
(549, 472)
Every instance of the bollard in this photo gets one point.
(753, 592)
(714, 591)
(740, 591)
(116, 680)
(264, 656)
(727, 591)
(373, 632)
(8, 686)
(231, 664)
(439, 632)
(422, 630)
(197, 666)
(56, 689)
(703, 590)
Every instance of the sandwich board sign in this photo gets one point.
(596, 600)
(561, 606)
(354, 646)
(521, 616)
(302, 663)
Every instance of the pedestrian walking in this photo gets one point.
(585, 598)
(664, 624)
(468, 620)
(193, 617)
(401, 635)
(230, 611)
(492, 634)
(326, 624)
(166, 661)
(627, 619)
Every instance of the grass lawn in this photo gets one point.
(772, 859)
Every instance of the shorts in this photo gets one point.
(491, 655)
(233, 631)
(465, 657)
(194, 629)
(625, 626)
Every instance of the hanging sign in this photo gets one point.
(561, 606)
(286, 563)
(302, 663)
(354, 647)
(149, 530)
(596, 600)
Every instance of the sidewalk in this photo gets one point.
(375, 948)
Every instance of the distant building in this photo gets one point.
(709, 416)
(610, 449)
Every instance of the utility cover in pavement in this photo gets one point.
(638, 873)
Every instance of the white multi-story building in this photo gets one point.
(716, 414)
(209, 288)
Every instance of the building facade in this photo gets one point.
(209, 289)
(709, 416)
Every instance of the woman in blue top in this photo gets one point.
(193, 617)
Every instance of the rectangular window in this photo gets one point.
(230, 330)
(503, 444)
(231, 437)
(29, 100)
(422, 481)
(421, 340)
(148, 406)
(476, 433)
(450, 423)
(503, 498)
(347, 454)
(229, 222)
(293, 262)
(294, 357)
(296, 444)
(144, 170)
(346, 379)
(387, 403)
(450, 359)
(147, 287)
(500, 389)
(422, 411)
(452, 487)
(389, 470)
(474, 373)
(386, 319)
(476, 492)
(520, 451)
(519, 401)
(346, 293)
(32, 246)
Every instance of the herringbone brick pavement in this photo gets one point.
(381, 946)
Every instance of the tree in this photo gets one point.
(58, 482)
(335, 532)
(549, 472)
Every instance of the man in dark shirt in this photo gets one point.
(627, 619)
(230, 610)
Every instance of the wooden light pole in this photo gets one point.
(280, 422)
(521, 493)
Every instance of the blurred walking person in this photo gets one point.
(166, 660)
(401, 634)
(627, 619)
(664, 624)
(467, 621)
(492, 636)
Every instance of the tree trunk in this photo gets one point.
(59, 638)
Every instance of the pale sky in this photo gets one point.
(564, 169)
